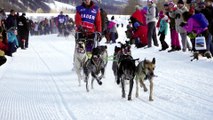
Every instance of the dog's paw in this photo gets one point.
(151, 99)
(136, 95)
(99, 82)
(145, 89)
(118, 82)
(129, 98)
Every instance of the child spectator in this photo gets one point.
(163, 29)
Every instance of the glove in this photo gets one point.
(182, 24)
(192, 35)
(80, 28)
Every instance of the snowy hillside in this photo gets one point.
(59, 6)
(39, 84)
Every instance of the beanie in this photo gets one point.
(166, 5)
(180, 2)
(136, 25)
(161, 15)
(171, 3)
(112, 18)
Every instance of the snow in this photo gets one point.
(59, 6)
(39, 84)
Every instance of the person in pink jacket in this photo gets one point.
(112, 30)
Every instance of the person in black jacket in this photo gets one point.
(11, 20)
(22, 30)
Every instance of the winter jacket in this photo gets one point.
(22, 27)
(11, 22)
(112, 26)
(151, 14)
(138, 16)
(61, 19)
(141, 32)
(88, 17)
(171, 14)
(193, 26)
(12, 38)
(179, 19)
(164, 25)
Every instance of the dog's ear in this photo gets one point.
(145, 61)
(153, 61)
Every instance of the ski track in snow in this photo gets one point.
(39, 84)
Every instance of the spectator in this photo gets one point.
(88, 21)
(151, 21)
(112, 30)
(61, 23)
(181, 8)
(163, 29)
(22, 31)
(194, 26)
(140, 35)
(175, 43)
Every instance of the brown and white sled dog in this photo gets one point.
(145, 70)
(80, 58)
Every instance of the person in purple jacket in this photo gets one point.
(61, 22)
(194, 28)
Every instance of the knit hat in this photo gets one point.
(112, 18)
(166, 4)
(137, 7)
(171, 3)
(180, 2)
(23, 14)
(161, 15)
(136, 25)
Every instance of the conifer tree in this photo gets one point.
(130, 7)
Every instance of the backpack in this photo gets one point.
(156, 12)
(201, 19)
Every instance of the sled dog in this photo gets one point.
(145, 70)
(126, 71)
(94, 66)
(196, 55)
(80, 58)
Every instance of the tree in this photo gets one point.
(130, 7)
(39, 10)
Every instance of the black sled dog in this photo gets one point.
(126, 71)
